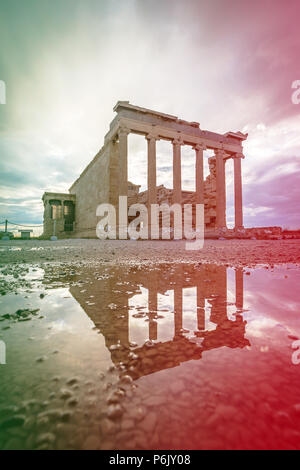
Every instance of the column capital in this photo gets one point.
(220, 153)
(199, 147)
(123, 130)
(178, 140)
(238, 155)
(151, 136)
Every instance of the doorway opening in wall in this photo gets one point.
(164, 164)
(56, 209)
(137, 171)
(164, 180)
(137, 161)
(69, 216)
(188, 176)
(206, 155)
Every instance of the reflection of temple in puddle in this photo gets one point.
(154, 319)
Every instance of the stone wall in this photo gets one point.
(210, 196)
(91, 189)
(165, 195)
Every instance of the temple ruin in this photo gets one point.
(106, 177)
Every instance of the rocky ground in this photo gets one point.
(230, 252)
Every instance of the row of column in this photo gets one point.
(218, 309)
(61, 204)
(177, 187)
(221, 189)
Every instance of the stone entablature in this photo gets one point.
(165, 126)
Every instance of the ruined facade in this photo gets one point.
(165, 195)
(106, 177)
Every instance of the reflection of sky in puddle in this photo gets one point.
(139, 321)
(63, 326)
(270, 306)
(189, 309)
(235, 340)
(138, 328)
(268, 303)
(165, 311)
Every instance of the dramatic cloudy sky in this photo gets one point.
(228, 64)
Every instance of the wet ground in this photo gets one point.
(117, 353)
(233, 252)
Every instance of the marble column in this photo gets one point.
(221, 189)
(239, 288)
(177, 170)
(152, 306)
(200, 309)
(199, 148)
(122, 218)
(123, 160)
(151, 176)
(177, 310)
(219, 301)
(238, 196)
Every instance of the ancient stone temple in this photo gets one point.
(106, 177)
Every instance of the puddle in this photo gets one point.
(178, 357)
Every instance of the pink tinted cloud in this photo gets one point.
(278, 195)
(261, 39)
